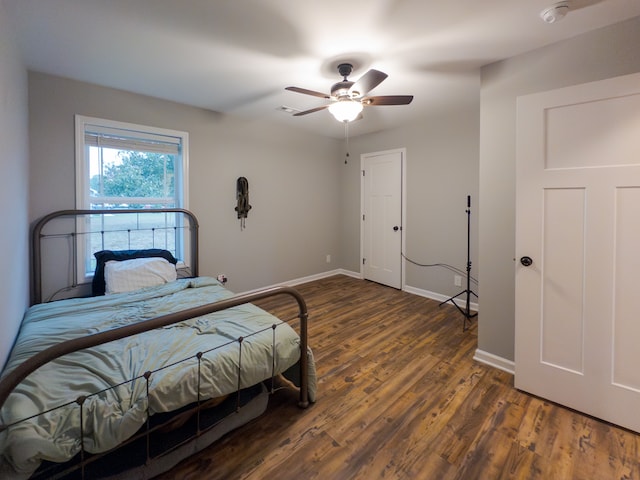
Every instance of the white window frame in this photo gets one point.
(83, 200)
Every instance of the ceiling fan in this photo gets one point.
(349, 98)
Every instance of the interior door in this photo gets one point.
(382, 175)
(577, 238)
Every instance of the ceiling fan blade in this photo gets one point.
(308, 92)
(367, 82)
(388, 100)
(317, 109)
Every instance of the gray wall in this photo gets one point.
(293, 183)
(604, 53)
(14, 164)
(441, 170)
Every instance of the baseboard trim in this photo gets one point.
(310, 278)
(438, 296)
(319, 276)
(348, 273)
(495, 361)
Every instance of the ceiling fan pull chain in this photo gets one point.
(346, 135)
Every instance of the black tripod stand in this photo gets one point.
(466, 312)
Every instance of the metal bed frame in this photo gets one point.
(11, 380)
(37, 236)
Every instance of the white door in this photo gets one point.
(382, 175)
(578, 219)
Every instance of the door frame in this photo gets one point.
(403, 213)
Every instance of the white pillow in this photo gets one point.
(129, 275)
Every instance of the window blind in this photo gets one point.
(106, 137)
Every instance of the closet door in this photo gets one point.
(381, 206)
(577, 239)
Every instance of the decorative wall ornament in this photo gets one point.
(242, 199)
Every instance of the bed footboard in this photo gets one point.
(20, 373)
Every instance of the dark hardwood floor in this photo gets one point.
(400, 397)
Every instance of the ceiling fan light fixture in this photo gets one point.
(345, 110)
(348, 98)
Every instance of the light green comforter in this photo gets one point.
(115, 415)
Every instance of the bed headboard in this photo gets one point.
(59, 238)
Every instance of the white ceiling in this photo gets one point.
(236, 56)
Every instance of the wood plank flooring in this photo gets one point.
(400, 397)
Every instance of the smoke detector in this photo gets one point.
(555, 12)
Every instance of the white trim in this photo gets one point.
(183, 178)
(403, 233)
(439, 297)
(82, 194)
(310, 278)
(319, 276)
(495, 361)
(348, 273)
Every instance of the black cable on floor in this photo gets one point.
(443, 265)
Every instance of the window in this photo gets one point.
(133, 167)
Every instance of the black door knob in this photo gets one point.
(526, 261)
(395, 229)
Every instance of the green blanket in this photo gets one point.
(113, 415)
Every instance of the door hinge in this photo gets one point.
(363, 217)
(364, 260)
(363, 173)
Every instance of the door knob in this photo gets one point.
(526, 261)
(395, 229)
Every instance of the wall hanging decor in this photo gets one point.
(242, 199)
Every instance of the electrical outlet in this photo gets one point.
(222, 278)
(328, 258)
(457, 280)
